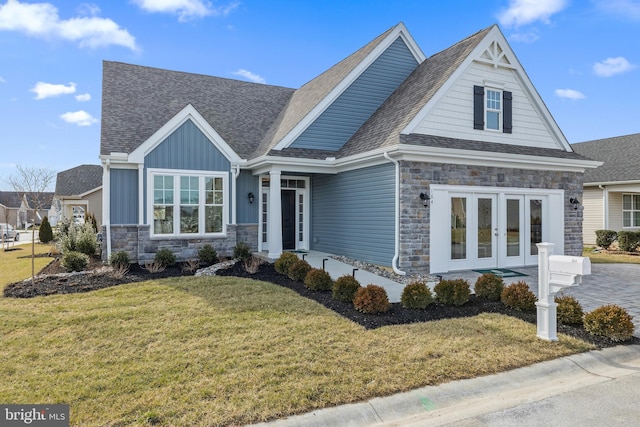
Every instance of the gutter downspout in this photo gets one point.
(396, 255)
(106, 205)
(605, 206)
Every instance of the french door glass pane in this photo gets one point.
(458, 228)
(485, 249)
(535, 213)
(513, 227)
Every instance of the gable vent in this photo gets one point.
(495, 55)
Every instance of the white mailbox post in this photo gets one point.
(555, 272)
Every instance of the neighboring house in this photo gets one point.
(611, 196)
(422, 164)
(19, 210)
(79, 190)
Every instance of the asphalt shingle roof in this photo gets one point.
(620, 156)
(12, 199)
(78, 180)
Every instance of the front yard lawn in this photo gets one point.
(225, 350)
(605, 257)
(15, 262)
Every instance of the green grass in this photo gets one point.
(16, 262)
(229, 351)
(609, 258)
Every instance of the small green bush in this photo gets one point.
(489, 286)
(345, 288)
(318, 280)
(87, 242)
(610, 321)
(452, 292)
(90, 219)
(299, 269)
(604, 238)
(119, 259)
(75, 261)
(242, 251)
(519, 297)
(46, 233)
(371, 299)
(569, 311)
(628, 241)
(285, 261)
(207, 255)
(416, 295)
(165, 257)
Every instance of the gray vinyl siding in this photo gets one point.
(124, 196)
(333, 128)
(247, 213)
(353, 214)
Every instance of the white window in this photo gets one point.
(631, 210)
(493, 109)
(188, 204)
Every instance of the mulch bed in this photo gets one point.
(49, 284)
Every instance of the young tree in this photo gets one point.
(31, 183)
(46, 234)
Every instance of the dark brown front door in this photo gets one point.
(288, 199)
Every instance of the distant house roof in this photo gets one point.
(10, 199)
(13, 199)
(78, 180)
(621, 157)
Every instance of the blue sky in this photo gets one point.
(581, 55)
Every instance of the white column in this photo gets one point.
(275, 215)
(141, 197)
(546, 306)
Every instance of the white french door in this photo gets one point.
(523, 226)
(474, 230)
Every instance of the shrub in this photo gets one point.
(75, 261)
(416, 295)
(252, 264)
(285, 261)
(242, 251)
(569, 310)
(371, 299)
(119, 259)
(489, 286)
(46, 233)
(207, 255)
(453, 292)
(519, 297)
(604, 238)
(165, 257)
(611, 321)
(318, 280)
(90, 219)
(345, 288)
(87, 243)
(628, 241)
(299, 269)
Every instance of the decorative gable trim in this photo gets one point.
(493, 50)
(399, 31)
(187, 113)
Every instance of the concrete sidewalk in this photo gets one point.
(589, 389)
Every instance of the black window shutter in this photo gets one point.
(507, 125)
(478, 107)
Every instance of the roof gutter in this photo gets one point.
(396, 255)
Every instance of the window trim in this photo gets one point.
(176, 174)
(632, 210)
(487, 110)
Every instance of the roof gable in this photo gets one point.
(79, 180)
(620, 157)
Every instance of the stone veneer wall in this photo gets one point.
(415, 177)
(136, 241)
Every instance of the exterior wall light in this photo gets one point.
(425, 199)
(575, 202)
(251, 198)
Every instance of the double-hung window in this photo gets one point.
(631, 210)
(187, 204)
(493, 109)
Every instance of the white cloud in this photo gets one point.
(570, 94)
(529, 37)
(186, 9)
(2, 80)
(83, 97)
(522, 12)
(80, 118)
(624, 8)
(249, 76)
(612, 66)
(48, 90)
(42, 20)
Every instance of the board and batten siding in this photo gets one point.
(592, 215)
(123, 204)
(247, 213)
(452, 116)
(353, 214)
(333, 128)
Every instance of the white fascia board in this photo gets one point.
(290, 164)
(187, 113)
(399, 31)
(609, 183)
(86, 193)
(494, 35)
(483, 158)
